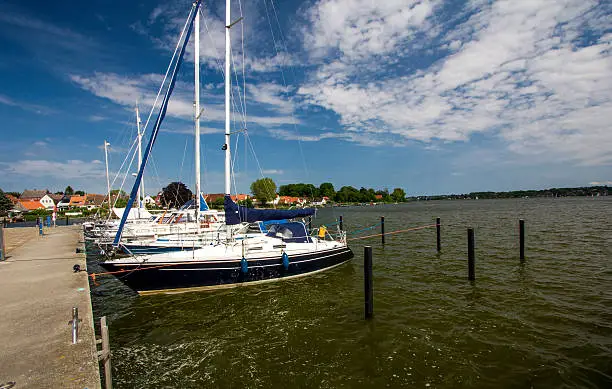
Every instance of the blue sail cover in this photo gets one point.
(203, 205)
(235, 214)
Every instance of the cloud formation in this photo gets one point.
(536, 74)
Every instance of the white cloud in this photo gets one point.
(71, 169)
(126, 91)
(272, 171)
(599, 183)
(38, 109)
(515, 71)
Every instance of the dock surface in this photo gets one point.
(39, 290)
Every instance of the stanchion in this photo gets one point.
(367, 281)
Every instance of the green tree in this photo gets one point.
(119, 192)
(69, 191)
(5, 203)
(175, 195)
(264, 189)
(398, 195)
(79, 193)
(326, 189)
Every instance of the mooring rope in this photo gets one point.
(394, 232)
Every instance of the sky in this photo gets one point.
(432, 96)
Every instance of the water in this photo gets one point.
(544, 323)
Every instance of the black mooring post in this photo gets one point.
(522, 238)
(471, 270)
(309, 224)
(367, 281)
(438, 243)
(341, 224)
(66, 220)
(382, 229)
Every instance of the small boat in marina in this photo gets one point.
(285, 250)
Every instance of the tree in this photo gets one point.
(264, 189)
(5, 203)
(69, 191)
(326, 189)
(79, 193)
(398, 195)
(175, 195)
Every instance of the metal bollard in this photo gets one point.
(75, 325)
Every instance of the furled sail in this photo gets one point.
(235, 214)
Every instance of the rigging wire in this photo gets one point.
(284, 45)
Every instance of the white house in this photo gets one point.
(47, 202)
(149, 200)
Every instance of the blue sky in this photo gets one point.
(431, 96)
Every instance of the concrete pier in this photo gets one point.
(39, 290)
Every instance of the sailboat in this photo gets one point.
(286, 249)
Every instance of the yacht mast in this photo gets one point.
(141, 193)
(197, 113)
(106, 144)
(228, 79)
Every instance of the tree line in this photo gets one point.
(264, 190)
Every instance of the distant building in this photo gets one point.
(93, 201)
(29, 205)
(13, 199)
(149, 201)
(63, 203)
(33, 194)
(378, 197)
(47, 202)
(77, 201)
(289, 200)
(212, 197)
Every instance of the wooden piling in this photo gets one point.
(367, 281)
(341, 223)
(438, 239)
(471, 256)
(382, 229)
(522, 238)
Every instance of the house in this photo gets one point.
(29, 205)
(149, 201)
(47, 202)
(321, 202)
(77, 201)
(378, 197)
(289, 200)
(14, 200)
(63, 203)
(211, 198)
(32, 194)
(94, 201)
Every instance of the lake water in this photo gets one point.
(544, 323)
